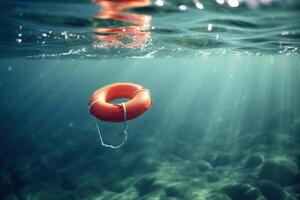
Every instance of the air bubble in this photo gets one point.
(182, 7)
(209, 27)
(160, 3)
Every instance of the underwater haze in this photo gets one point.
(223, 76)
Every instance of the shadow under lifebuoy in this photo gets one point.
(114, 27)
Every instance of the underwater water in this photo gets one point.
(223, 75)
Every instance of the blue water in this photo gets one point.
(224, 79)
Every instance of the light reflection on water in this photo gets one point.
(133, 30)
(137, 28)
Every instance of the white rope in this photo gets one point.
(124, 131)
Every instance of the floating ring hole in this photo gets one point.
(119, 100)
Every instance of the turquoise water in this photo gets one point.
(60, 29)
(225, 120)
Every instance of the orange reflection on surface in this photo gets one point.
(133, 35)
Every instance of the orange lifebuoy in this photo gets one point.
(139, 102)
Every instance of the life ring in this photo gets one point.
(139, 101)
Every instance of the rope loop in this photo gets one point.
(124, 130)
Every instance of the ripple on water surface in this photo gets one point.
(83, 29)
